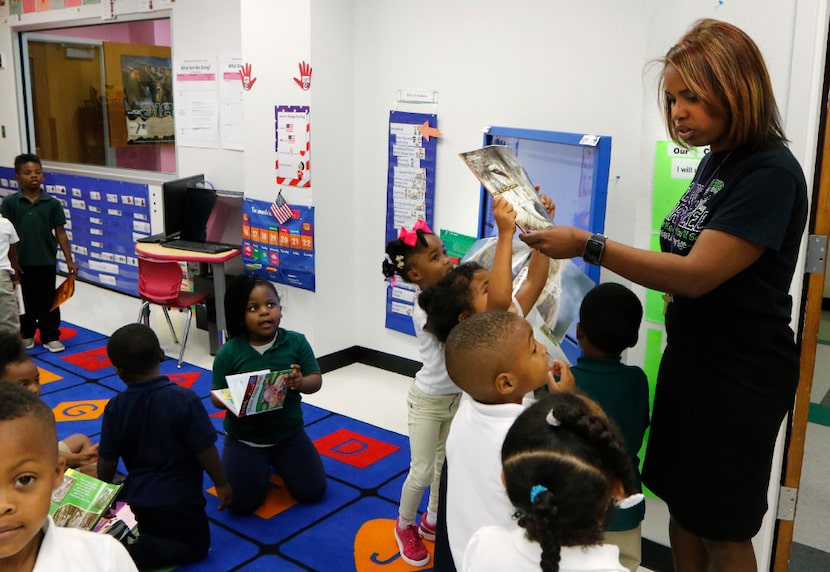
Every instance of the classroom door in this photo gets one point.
(810, 317)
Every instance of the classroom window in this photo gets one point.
(100, 95)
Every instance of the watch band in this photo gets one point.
(594, 248)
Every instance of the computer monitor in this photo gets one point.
(212, 216)
(173, 195)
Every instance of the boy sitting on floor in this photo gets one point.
(166, 439)
(29, 471)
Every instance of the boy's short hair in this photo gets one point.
(609, 317)
(24, 158)
(17, 402)
(473, 351)
(12, 350)
(135, 350)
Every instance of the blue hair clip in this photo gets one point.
(536, 491)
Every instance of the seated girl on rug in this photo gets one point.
(275, 440)
(17, 366)
(564, 466)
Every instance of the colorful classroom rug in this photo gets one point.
(351, 529)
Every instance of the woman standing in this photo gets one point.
(729, 248)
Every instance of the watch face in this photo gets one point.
(593, 250)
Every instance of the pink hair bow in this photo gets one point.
(410, 237)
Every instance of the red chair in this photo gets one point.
(159, 282)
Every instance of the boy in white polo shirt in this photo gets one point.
(29, 471)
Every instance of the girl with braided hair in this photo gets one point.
(565, 469)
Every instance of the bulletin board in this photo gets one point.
(281, 253)
(573, 170)
(103, 219)
(570, 168)
(410, 195)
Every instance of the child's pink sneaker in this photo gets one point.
(426, 530)
(411, 546)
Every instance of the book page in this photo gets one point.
(238, 385)
(500, 172)
(80, 500)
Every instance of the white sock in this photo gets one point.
(403, 523)
(432, 518)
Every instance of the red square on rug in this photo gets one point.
(353, 448)
(90, 360)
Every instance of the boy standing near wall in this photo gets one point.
(609, 322)
(39, 220)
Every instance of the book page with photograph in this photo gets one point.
(253, 392)
(500, 172)
(80, 500)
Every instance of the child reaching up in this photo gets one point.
(609, 320)
(471, 288)
(564, 466)
(495, 359)
(17, 366)
(276, 440)
(419, 257)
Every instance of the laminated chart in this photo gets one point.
(280, 252)
(410, 195)
(104, 218)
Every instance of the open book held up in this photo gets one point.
(253, 392)
(80, 500)
(499, 170)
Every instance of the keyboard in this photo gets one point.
(195, 246)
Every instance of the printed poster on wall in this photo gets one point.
(148, 99)
(410, 195)
(281, 253)
(293, 145)
(197, 103)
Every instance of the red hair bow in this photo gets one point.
(410, 237)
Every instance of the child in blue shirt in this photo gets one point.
(166, 439)
(609, 320)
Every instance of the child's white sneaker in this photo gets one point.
(54, 346)
(28, 343)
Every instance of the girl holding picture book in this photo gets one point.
(269, 439)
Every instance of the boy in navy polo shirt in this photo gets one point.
(165, 437)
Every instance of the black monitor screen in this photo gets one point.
(197, 209)
(173, 198)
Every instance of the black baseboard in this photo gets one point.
(656, 556)
(374, 358)
(825, 304)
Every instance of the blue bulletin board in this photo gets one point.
(573, 170)
(570, 168)
(410, 195)
(280, 252)
(103, 219)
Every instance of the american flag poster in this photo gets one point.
(281, 210)
(293, 146)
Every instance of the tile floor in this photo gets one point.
(346, 390)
